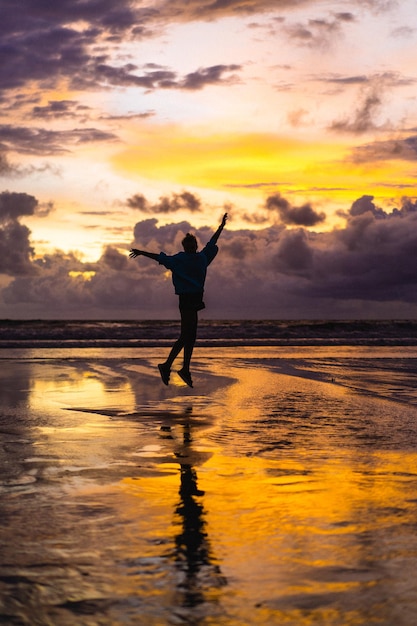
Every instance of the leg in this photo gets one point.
(189, 321)
(165, 368)
(181, 341)
(175, 350)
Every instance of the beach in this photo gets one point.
(280, 489)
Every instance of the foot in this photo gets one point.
(165, 371)
(186, 377)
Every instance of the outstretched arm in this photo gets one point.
(151, 255)
(219, 230)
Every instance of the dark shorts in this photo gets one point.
(191, 301)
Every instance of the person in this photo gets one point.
(189, 269)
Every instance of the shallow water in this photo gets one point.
(280, 490)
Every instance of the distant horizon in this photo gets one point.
(212, 319)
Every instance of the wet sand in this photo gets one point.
(282, 489)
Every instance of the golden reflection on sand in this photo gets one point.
(262, 498)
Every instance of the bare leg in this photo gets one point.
(189, 321)
(175, 350)
(186, 340)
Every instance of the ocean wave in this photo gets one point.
(161, 333)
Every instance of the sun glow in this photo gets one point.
(224, 160)
(84, 275)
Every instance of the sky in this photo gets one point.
(128, 124)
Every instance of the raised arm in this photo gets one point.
(219, 230)
(134, 252)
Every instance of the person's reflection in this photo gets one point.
(192, 554)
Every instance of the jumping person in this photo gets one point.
(189, 270)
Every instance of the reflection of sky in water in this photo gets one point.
(89, 388)
(273, 500)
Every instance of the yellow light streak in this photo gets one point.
(84, 275)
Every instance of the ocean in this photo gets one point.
(211, 333)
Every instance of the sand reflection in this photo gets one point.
(277, 499)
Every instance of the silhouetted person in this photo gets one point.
(189, 270)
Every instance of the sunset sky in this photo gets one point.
(131, 123)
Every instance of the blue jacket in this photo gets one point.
(189, 269)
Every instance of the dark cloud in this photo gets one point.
(208, 9)
(304, 215)
(363, 118)
(138, 201)
(293, 255)
(14, 205)
(373, 81)
(58, 109)
(167, 204)
(114, 259)
(209, 76)
(366, 204)
(11, 170)
(372, 258)
(73, 41)
(128, 116)
(148, 231)
(40, 141)
(345, 17)
(371, 98)
(104, 74)
(317, 33)
(5, 168)
(255, 218)
(358, 79)
(404, 149)
(16, 253)
(367, 265)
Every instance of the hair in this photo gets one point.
(189, 243)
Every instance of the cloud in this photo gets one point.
(77, 40)
(297, 117)
(5, 168)
(371, 98)
(294, 254)
(114, 259)
(167, 204)
(11, 170)
(403, 32)
(317, 33)
(209, 76)
(304, 215)
(364, 205)
(363, 117)
(14, 205)
(185, 10)
(40, 141)
(16, 253)
(103, 74)
(60, 109)
(366, 265)
(345, 16)
(379, 80)
(404, 149)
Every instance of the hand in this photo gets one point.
(134, 253)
